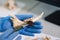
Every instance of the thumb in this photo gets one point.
(24, 16)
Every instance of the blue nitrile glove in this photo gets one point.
(10, 35)
(30, 30)
(6, 24)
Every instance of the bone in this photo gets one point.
(38, 17)
(35, 19)
(18, 23)
(46, 38)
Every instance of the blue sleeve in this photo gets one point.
(1, 24)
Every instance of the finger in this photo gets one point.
(33, 30)
(24, 16)
(12, 36)
(37, 23)
(26, 33)
(6, 25)
(37, 27)
(34, 27)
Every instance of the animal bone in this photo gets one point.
(46, 38)
(17, 24)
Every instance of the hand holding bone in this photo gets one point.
(7, 26)
(18, 23)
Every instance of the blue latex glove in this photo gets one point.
(6, 24)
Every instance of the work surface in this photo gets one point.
(47, 30)
(40, 36)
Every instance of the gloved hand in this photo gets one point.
(6, 24)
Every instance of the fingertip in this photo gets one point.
(37, 23)
(38, 26)
(34, 27)
(33, 30)
(26, 33)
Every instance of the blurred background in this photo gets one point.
(51, 9)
